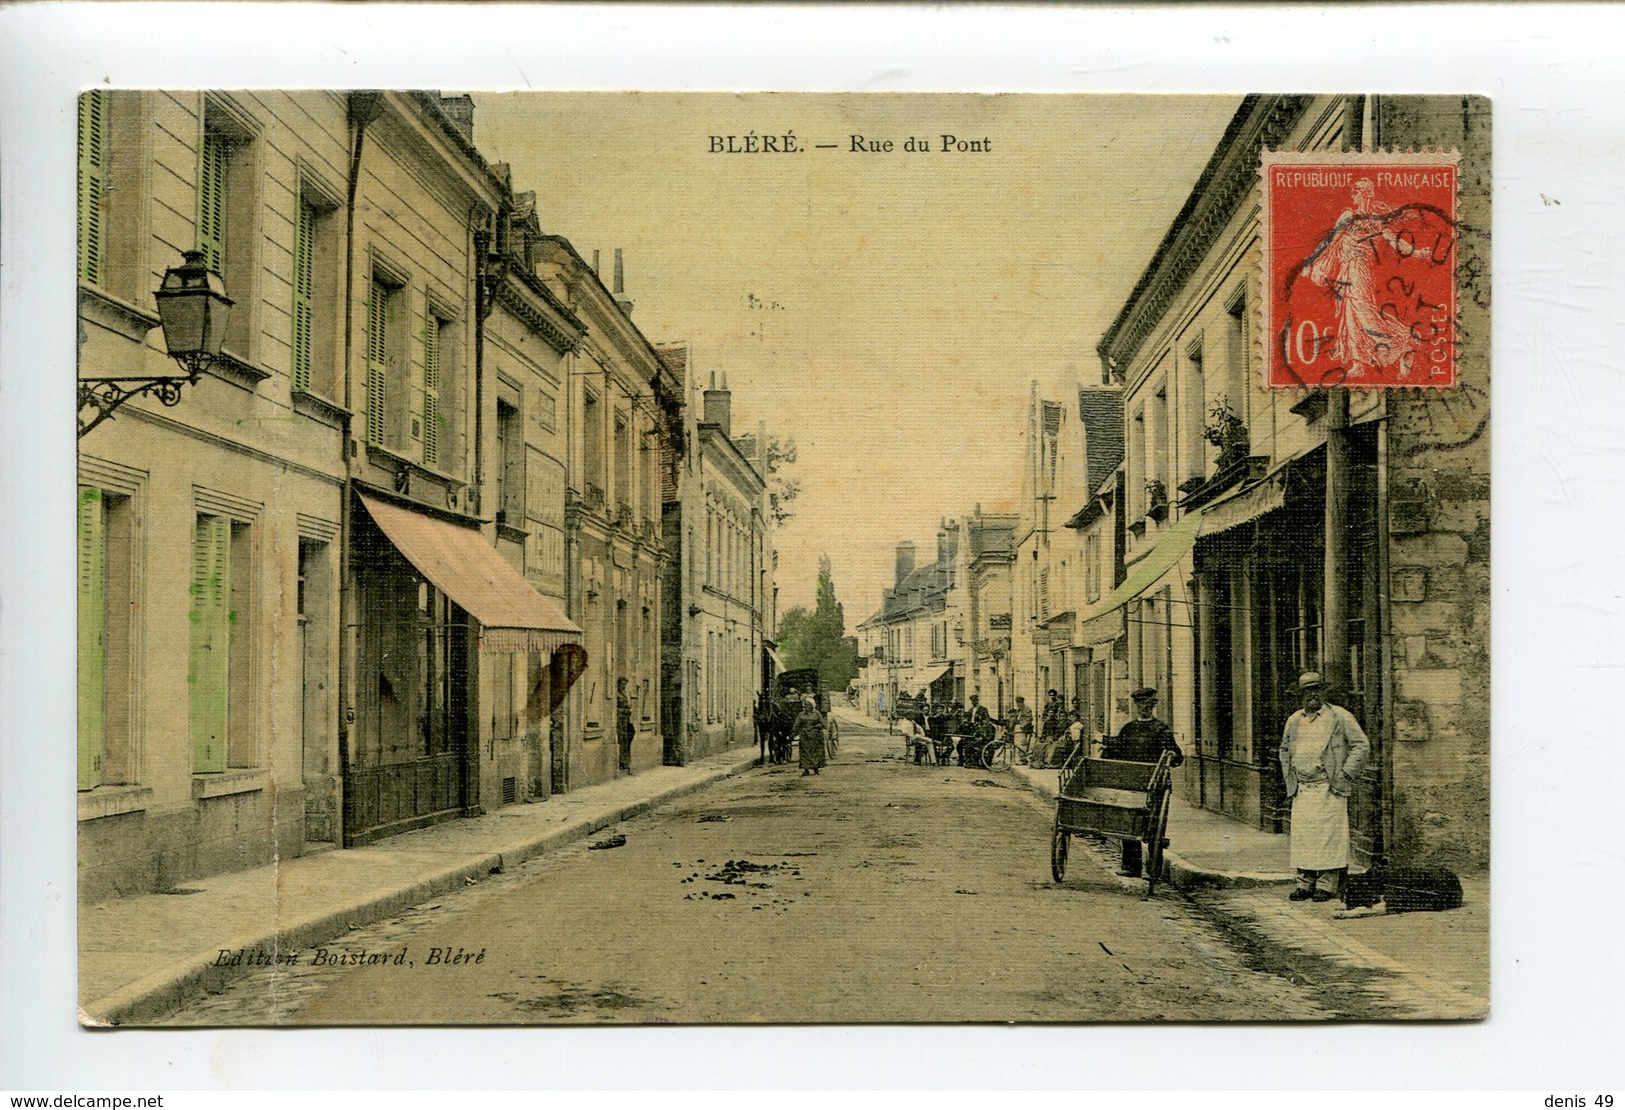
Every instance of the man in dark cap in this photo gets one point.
(1322, 750)
(1052, 728)
(1142, 740)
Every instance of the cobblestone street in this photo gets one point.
(878, 891)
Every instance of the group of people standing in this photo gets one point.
(950, 730)
(1323, 749)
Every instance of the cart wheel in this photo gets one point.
(996, 756)
(1057, 854)
(1156, 839)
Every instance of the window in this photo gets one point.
(510, 468)
(437, 331)
(1157, 465)
(94, 111)
(383, 357)
(592, 449)
(221, 674)
(1193, 392)
(106, 582)
(316, 295)
(304, 263)
(1091, 567)
(648, 493)
(1138, 474)
(1237, 385)
(226, 199)
(623, 467)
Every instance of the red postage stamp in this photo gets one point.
(1359, 270)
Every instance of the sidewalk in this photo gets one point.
(1418, 965)
(146, 955)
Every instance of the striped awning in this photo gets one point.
(460, 562)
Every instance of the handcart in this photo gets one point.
(1116, 799)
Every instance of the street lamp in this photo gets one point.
(192, 308)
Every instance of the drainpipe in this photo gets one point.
(1385, 670)
(364, 107)
(1335, 611)
(484, 302)
(1367, 136)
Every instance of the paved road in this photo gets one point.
(876, 891)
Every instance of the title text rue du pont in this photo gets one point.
(788, 143)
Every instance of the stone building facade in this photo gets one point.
(718, 574)
(321, 597)
(617, 412)
(1230, 566)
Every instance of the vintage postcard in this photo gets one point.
(692, 558)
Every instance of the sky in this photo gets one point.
(885, 309)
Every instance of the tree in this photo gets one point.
(781, 489)
(818, 638)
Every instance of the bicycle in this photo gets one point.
(1003, 750)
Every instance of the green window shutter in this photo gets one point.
(92, 637)
(303, 261)
(211, 201)
(377, 357)
(210, 642)
(431, 391)
(92, 184)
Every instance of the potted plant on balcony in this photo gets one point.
(1224, 429)
(1156, 499)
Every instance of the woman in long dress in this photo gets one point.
(809, 730)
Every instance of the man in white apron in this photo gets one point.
(1323, 749)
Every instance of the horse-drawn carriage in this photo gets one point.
(782, 704)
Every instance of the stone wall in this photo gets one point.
(1439, 532)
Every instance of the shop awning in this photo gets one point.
(461, 564)
(1249, 504)
(932, 675)
(773, 655)
(1172, 546)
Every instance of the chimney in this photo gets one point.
(719, 406)
(622, 302)
(595, 269)
(905, 560)
(943, 558)
(460, 110)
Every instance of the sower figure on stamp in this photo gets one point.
(623, 724)
(1142, 740)
(1322, 750)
